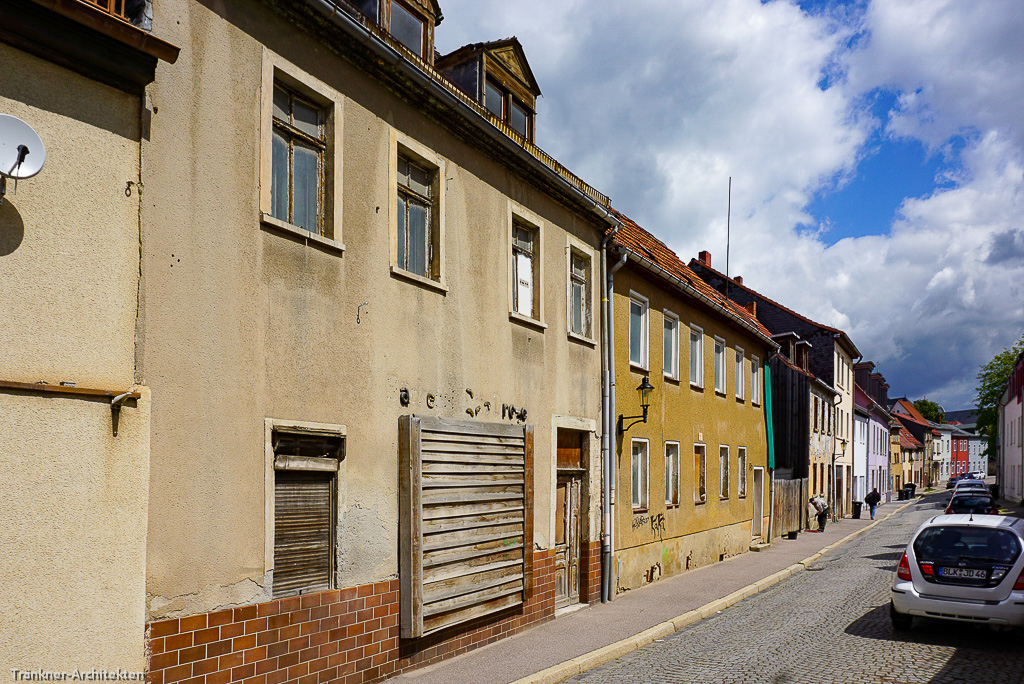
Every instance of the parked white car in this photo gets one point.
(967, 568)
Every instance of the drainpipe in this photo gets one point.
(608, 415)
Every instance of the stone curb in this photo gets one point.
(588, 661)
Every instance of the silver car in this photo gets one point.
(968, 568)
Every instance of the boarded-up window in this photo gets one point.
(466, 524)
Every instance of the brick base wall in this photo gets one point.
(590, 579)
(344, 636)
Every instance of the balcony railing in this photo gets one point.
(115, 8)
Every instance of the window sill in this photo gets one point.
(327, 244)
(741, 400)
(720, 393)
(723, 498)
(670, 378)
(696, 386)
(699, 503)
(671, 506)
(419, 280)
(582, 339)
(637, 367)
(526, 320)
(639, 510)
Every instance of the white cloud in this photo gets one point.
(658, 102)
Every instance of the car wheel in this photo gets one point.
(900, 622)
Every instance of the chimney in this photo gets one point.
(738, 280)
(704, 257)
(751, 307)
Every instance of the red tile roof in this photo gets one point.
(910, 412)
(647, 247)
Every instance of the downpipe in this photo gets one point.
(608, 413)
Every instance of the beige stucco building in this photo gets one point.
(414, 341)
(348, 316)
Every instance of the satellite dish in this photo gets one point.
(22, 153)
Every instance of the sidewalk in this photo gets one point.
(583, 639)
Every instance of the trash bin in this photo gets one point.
(856, 509)
(791, 535)
(913, 490)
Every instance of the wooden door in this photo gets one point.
(568, 518)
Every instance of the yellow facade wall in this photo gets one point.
(663, 539)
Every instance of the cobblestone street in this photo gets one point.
(829, 624)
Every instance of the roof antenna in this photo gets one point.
(728, 218)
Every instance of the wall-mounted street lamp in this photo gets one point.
(835, 494)
(644, 390)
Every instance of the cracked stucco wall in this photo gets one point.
(244, 323)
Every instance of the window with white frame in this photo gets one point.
(696, 356)
(298, 160)
(700, 471)
(638, 331)
(672, 473)
(524, 269)
(579, 294)
(741, 471)
(723, 471)
(740, 375)
(720, 365)
(670, 346)
(639, 469)
(755, 380)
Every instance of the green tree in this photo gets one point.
(992, 379)
(930, 410)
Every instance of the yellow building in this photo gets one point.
(692, 479)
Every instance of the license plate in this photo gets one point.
(963, 573)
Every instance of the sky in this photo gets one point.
(876, 150)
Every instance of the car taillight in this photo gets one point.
(949, 509)
(903, 570)
(1019, 584)
(927, 569)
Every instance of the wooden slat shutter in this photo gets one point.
(466, 521)
(303, 512)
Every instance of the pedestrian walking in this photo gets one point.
(872, 500)
(820, 510)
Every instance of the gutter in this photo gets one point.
(390, 55)
(608, 417)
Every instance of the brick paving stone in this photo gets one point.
(828, 625)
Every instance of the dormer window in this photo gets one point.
(502, 104)
(407, 28)
(497, 76)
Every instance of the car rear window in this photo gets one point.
(951, 543)
(971, 503)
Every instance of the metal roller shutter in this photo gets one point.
(303, 514)
(466, 521)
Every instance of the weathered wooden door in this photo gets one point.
(567, 540)
(568, 518)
